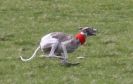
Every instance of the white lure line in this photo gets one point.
(34, 54)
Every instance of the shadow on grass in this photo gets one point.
(70, 64)
(6, 37)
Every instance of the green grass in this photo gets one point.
(108, 56)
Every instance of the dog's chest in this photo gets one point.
(70, 42)
(72, 46)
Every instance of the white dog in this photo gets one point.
(58, 44)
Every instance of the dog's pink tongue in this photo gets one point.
(81, 37)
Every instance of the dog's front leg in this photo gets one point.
(64, 60)
(64, 54)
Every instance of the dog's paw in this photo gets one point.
(68, 64)
(80, 57)
(49, 56)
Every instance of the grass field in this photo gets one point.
(108, 56)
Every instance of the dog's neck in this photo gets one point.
(81, 37)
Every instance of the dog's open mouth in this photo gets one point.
(92, 32)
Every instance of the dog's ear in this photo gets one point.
(80, 28)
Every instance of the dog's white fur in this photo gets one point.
(48, 41)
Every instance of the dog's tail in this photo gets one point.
(34, 54)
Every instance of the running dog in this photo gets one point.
(59, 44)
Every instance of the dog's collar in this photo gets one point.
(81, 37)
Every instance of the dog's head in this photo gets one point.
(88, 31)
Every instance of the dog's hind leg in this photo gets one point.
(53, 48)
